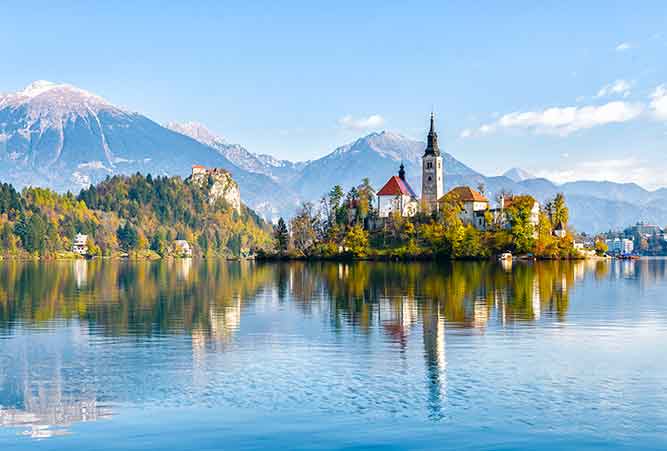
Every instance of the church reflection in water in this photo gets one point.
(50, 312)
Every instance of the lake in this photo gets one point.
(108, 355)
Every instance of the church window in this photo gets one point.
(429, 178)
(429, 165)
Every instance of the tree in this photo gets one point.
(356, 241)
(127, 236)
(366, 196)
(544, 245)
(522, 229)
(450, 217)
(471, 244)
(93, 249)
(32, 230)
(281, 235)
(558, 211)
(303, 227)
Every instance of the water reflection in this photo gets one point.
(68, 324)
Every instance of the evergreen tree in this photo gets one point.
(281, 235)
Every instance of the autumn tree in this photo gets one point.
(519, 215)
(356, 241)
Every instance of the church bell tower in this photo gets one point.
(432, 172)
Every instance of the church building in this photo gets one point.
(432, 178)
(397, 196)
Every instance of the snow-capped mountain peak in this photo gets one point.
(38, 87)
(55, 102)
(518, 174)
(196, 131)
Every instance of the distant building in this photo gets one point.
(620, 246)
(474, 205)
(628, 246)
(499, 214)
(397, 196)
(198, 169)
(560, 230)
(182, 248)
(80, 244)
(643, 230)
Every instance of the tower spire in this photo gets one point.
(401, 172)
(432, 141)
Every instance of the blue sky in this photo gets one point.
(560, 89)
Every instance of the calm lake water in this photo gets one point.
(215, 355)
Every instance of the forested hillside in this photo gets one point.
(126, 214)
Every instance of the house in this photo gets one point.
(560, 230)
(396, 196)
(500, 218)
(182, 248)
(474, 205)
(80, 244)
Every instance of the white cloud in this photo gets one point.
(623, 46)
(466, 133)
(624, 170)
(659, 102)
(362, 123)
(564, 120)
(619, 87)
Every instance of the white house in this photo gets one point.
(80, 244)
(396, 196)
(474, 205)
(560, 230)
(182, 248)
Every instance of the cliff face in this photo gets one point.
(223, 187)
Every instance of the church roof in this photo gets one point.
(396, 187)
(467, 194)
(432, 147)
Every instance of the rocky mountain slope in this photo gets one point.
(65, 138)
(278, 170)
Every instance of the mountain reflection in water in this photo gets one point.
(84, 337)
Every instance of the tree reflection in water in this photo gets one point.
(204, 301)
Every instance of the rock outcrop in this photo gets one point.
(220, 185)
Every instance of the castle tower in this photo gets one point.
(432, 178)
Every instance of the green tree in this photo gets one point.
(32, 230)
(519, 215)
(127, 236)
(558, 210)
(281, 235)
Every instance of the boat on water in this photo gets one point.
(628, 257)
(505, 256)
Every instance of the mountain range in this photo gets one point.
(65, 138)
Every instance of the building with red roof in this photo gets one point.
(397, 196)
(473, 204)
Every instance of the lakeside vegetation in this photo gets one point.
(136, 216)
(346, 226)
(141, 217)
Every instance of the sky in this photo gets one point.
(566, 90)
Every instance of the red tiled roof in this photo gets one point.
(467, 194)
(396, 187)
(198, 166)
